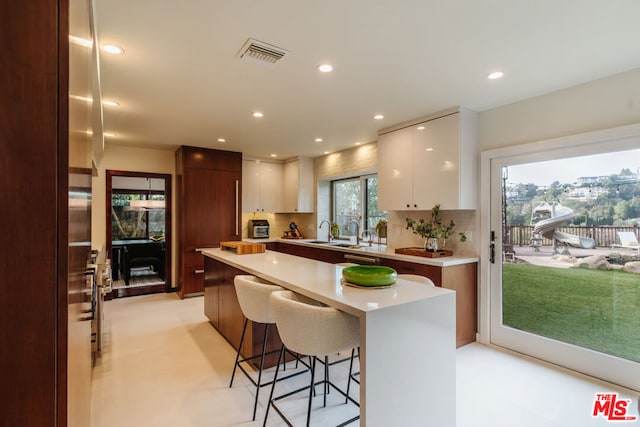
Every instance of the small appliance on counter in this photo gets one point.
(258, 229)
(294, 232)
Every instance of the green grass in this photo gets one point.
(595, 309)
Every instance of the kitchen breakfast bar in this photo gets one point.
(407, 332)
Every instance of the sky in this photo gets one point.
(569, 170)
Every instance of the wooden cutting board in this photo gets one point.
(242, 248)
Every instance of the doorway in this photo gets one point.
(138, 228)
(556, 288)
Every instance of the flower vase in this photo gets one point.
(431, 244)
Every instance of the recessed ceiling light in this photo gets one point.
(274, 155)
(326, 152)
(222, 140)
(420, 128)
(378, 117)
(428, 149)
(258, 114)
(325, 68)
(358, 143)
(113, 49)
(495, 75)
(111, 103)
(318, 139)
(109, 134)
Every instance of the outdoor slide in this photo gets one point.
(559, 215)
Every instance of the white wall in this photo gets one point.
(609, 102)
(130, 159)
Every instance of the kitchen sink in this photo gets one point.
(337, 245)
(346, 245)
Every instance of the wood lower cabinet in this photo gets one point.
(463, 279)
(209, 209)
(460, 278)
(318, 254)
(223, 311)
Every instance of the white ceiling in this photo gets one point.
(180, 80)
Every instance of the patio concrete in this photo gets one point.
(544, 256)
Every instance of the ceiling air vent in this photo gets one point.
(262, 53)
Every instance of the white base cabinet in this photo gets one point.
(429, 161)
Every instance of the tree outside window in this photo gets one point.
(356, 199)
(129, 223)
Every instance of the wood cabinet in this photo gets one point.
(460, 278)
(318, 253)
(262, 186)
(429, 162)
(209, 209)
(223, 311)
(45, 181)
(298, 185)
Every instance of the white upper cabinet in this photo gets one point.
(429, 162)
(298, 185)
(261, 186)
(395, 170)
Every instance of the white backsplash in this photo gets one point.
(279, 222)
(400, 237)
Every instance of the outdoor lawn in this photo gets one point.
(596, 309)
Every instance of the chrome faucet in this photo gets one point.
(357, 230)
(369, 236)
(329, 226)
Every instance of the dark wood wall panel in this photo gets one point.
(29, 178)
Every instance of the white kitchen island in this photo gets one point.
(407, 337)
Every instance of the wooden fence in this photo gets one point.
(605, 236)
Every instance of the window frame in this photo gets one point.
(364, 202)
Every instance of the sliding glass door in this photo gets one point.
(565, 287)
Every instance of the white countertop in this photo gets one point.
(382, 251)
(408, 318)
(322, 281)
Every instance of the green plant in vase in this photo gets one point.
(381, 228)
(335, 230)
(433, 229)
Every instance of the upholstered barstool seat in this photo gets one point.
(416, 278)
(253, 297)
(311, 328)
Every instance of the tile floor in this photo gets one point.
(164, 365)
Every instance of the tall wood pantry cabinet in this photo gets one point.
(209, 184)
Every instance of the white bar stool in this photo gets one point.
(416, 278)
(253, 296)
(311, 328)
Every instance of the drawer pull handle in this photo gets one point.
(365, 259)
(198, 271)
